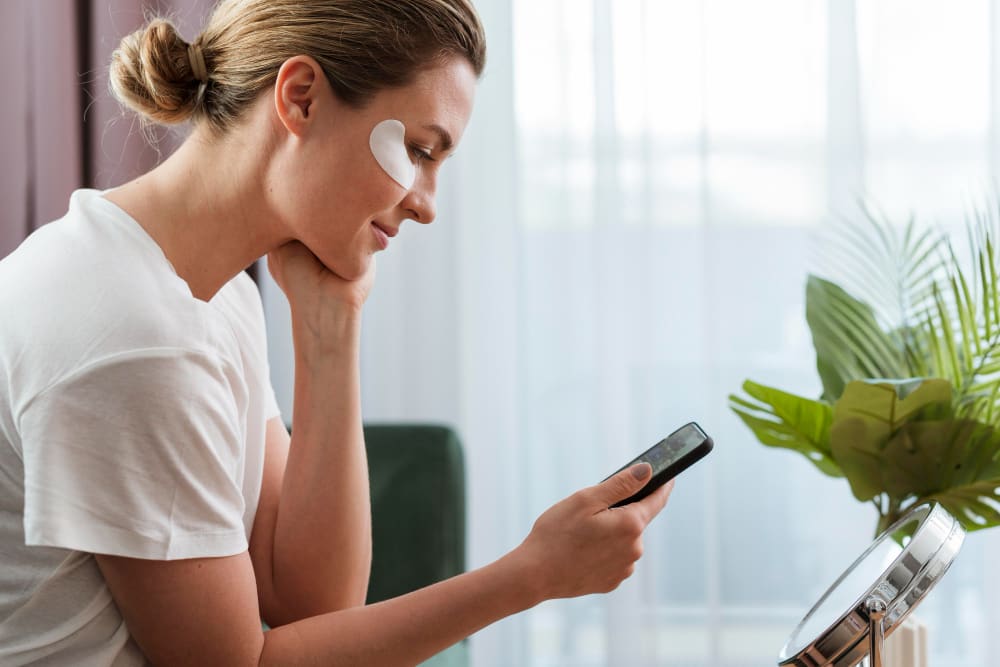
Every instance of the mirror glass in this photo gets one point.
(900, 575)
(847, 592)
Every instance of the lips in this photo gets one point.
(383, 234)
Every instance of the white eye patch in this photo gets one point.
(389, 149)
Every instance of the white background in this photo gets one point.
(623, 238)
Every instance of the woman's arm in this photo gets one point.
(311, 540)
(204, 611)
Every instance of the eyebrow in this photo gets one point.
(444, 138)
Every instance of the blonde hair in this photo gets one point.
(363, 46)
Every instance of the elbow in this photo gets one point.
(319, 594)
(347, 585)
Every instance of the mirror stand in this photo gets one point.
(876, 630)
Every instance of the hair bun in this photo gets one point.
(151, 73)
(362, 46)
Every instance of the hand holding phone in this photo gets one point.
(669, 457)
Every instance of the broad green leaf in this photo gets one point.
(855, 443)
(922, 457)
(973, 455)
(974, 505)
(891, 401)
(867, 420)
(930, 396)
(781, 419)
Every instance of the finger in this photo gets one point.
(621, 485)
(654, 503)
(292, 259)
(277, 258)
(292, 250)
(273, 261)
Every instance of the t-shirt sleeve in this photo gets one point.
(139, 455)
(249, 323)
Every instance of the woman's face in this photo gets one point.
(340, 202)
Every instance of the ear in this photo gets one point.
(299, 86)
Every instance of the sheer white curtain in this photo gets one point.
(623, 238)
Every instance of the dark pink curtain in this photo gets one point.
(60, 129)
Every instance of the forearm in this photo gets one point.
(322, 537)
(577, 547)
(408, 629)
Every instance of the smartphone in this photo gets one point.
(670, 457)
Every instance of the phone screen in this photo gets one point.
(672, 448)
(670, 457)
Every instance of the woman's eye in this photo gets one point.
(420, 154)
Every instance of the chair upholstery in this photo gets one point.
(417, 478)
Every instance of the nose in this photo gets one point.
(419, 202)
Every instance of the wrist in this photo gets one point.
(528, 581)
(330, 332)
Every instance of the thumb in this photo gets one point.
(622, 484)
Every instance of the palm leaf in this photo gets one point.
(849, 342)
(889, 267)
(971, 316)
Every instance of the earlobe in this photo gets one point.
(295, 92)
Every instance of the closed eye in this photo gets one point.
(420, 154)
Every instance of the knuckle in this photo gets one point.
(580, 500)
(634, 525)
(619, 486)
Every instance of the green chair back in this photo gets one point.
(417, 477)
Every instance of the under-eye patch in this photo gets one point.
(389, 148)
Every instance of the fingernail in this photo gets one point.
(641, 470)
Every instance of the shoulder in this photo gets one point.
(93, 255)
(91, 285)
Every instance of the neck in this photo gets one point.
(205, 207)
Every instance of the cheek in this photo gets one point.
(356, 206)
(339, 198)
(371, 193)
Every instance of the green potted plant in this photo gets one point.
(908, 353)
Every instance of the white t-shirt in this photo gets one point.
(132, 422)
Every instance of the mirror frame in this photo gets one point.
(901, 586)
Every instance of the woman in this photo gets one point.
(152, 505)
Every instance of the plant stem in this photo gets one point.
(888, 517)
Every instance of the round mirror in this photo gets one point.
(891, 577)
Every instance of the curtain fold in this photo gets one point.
(55, 149)
(14, 221)
(60, 128)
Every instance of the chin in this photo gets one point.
(350, 269)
